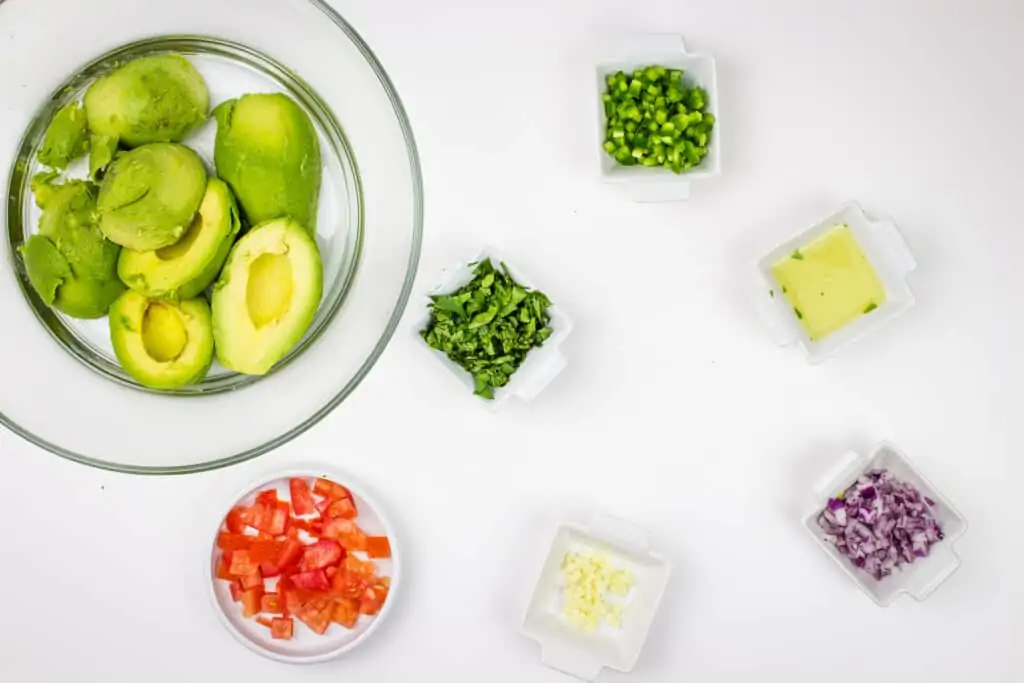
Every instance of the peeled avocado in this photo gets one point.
(268, 152)
(150, 99)
(267, 296)
(69, 262)
(191, 264)
(162, 344)
(150, 195)
(66, 139)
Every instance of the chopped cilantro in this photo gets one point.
(797, 255)
(488, 326)
(870, 307)
(771, 293)
(798, 313)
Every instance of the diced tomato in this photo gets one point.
(241, 563)
(313, 609)
(270, 519)
(330, 572)
(279, 519)
(346, 613)
(322, 505)
(229, 541)
(356, 566)
(247, 515)
(284, 585)
(378, 546)
(343, 508)
(263, 516)
(252, 580)
(251, 602)
(236, 591)
(264, 621)
(282, 629)
(316, 613)
(346, 532)
(322, 554)
(290, 553)
(373, 599)
(270, 603)
(268, 497)
(349, 584)
(313, 527)
(269, 570)
(265, 551)
(236, 520)
(302, 497)
(328, 489)
(224, 567)
(313, 580)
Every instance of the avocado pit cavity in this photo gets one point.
(163, 332)
(269, 291)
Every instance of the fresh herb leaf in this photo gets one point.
(798, 313)
(488, 326)
(797, 255)
(771, 293)
(870, 307)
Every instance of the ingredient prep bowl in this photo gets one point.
(887, 254)
(542, 364)
(305, 646)
(616, 643)
(63, 388)
(658, 184)
(922, 576)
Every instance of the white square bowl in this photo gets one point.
(656, 184)
(922, 576)
(886, 251)
(541, 365)
(580, 654)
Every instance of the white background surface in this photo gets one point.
(675, 412)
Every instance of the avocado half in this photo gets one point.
(162, 344)
(190, 265)
(267, 150)
(159, 98)
(150, 195)
(267, 296)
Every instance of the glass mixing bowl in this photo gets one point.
(60, 385)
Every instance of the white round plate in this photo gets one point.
(305, 647)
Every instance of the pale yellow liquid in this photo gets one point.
(829, 282)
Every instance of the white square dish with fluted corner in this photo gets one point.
(580, 653)
(305, 647)
(886, 251)
(919, 578)
(656, 184)
(541, 366)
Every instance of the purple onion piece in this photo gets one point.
(880, 523)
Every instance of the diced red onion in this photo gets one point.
(880, 523)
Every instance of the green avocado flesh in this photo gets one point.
(66, 139)
(69, 262)
(150, 99)
(101, 152)
(267, 296)
(162, 344)
(268, 152)
(190, 265)
(150, 195)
